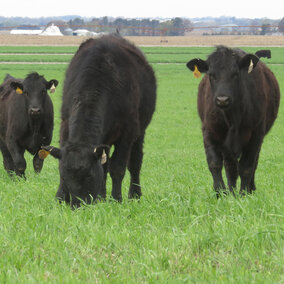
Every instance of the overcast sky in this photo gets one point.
(144, 8)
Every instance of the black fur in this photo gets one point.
(26, 120)
(238, 101)
(263, 53)
(109, 99)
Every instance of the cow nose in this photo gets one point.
(35, 111)
(222, 101)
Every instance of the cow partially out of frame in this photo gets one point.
(26, 120)
(238, 101)
(265, 53)
(109, 99)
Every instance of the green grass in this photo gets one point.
(178, 233)
(62, 54)
(35, 58)
(38, 49)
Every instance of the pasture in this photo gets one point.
(178, 232)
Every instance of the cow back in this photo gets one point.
(111, 80)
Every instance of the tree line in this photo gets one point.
(178, 26)
(150, 27)
(135, 27)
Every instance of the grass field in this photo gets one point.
(179, 232)
(63, 54)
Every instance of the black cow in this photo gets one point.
(26, 120)
(263, 53)
(109, 99)
(238, 101)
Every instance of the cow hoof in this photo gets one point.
(134, 195)
(117, 199)
(221, 193)
(21, 175)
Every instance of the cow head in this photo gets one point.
(81, 171)
(226, 68)
(34, 87)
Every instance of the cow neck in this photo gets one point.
(34, 125)
(34, 128)
(233, 121)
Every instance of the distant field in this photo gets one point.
(179, 232)
(63, 54)
(191, 40)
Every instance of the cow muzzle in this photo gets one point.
(223, 101)
(35, 111)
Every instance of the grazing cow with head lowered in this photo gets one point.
(26, 120)
(109, 99)
(238, 101)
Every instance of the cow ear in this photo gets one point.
(17, 86)
(101, 152)
(51, 85)
(248, 62)
(197, 66)
(46, 150)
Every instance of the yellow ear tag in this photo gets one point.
(250, 66)
(196, 72)
(19, 91)
(43, 154)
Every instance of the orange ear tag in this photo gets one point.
(43, 154)
(196, 72)
(19, 91)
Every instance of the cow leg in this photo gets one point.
(252, 186)
(105, 168)
(252, 183)
(20, 164)
(215, 164)
(231, 166)
(248, 164)
(102, 194)
(134, 167)
(38, 163)
(117, 165)
(7, 159)
(17, 155)
(61, 194)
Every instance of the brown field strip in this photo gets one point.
(10, 40)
